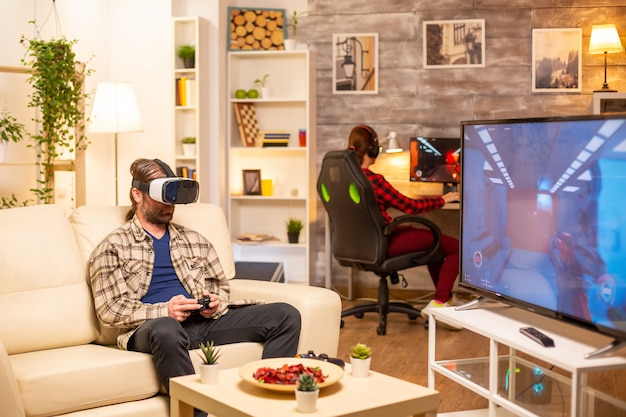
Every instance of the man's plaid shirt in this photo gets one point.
(120, 271)
(388, 197)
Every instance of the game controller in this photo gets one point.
(322, 357)
(204, 303)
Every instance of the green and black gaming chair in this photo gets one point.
(359, 235)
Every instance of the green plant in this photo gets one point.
(210, 353)
(306, 382)
(10, 129)
(186, 51)
(188, 139)
(57, 80)
(7, 203)
(261, 81)
(360, 351)
(293, 24)
(294, 225)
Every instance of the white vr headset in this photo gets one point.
(170, 189)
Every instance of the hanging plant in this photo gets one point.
(58, 94)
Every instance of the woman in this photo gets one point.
(404, 239)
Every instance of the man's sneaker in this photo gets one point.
(434, 304)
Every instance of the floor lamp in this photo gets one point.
(115, 110)
(604, 40)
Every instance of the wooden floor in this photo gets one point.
(403, 353)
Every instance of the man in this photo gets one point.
(148, 275)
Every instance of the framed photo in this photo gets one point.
(256, 29)
(355, 63)
(251, 182)
(454, 43)
(556, 60)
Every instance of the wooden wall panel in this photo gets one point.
(412, 100)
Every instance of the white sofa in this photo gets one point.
(55, 359)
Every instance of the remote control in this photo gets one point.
(537, 336)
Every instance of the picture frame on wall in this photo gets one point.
(251, 182)
(256, 29)
(556, 60)
(454, 43)
(355, 63)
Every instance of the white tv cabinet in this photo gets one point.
(487, 376)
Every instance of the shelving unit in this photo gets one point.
(527, 394)
(290, 107)
(190, 114)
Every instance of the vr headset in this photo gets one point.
(170, 189)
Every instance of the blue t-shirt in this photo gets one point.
(164, 284)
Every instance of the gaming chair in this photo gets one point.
(359, 235)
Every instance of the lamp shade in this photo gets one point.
(115, 109)
(604, 39)
(394, 145)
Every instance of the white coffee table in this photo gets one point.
(375, 396)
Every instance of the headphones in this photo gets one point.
(374, 149)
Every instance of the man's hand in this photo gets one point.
(213, 305)
(180, 307)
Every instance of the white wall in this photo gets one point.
(131, 40)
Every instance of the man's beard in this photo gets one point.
(155, 215)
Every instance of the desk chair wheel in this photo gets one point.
(359, 315)
(381, 331)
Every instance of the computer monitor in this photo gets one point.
(435, 160)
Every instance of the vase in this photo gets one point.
(360, 367)
(293, 237)
(189, 149)
(290, 44)
(266, 92)
(306, 401)
(209, 374)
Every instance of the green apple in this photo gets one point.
(253, 93)
(241, 94)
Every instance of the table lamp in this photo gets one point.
(115, 110)
(604, 40)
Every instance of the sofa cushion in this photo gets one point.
(63, 380)
(43, 291)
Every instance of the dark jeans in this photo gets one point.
(276, 325)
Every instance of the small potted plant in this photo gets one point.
(307, 392)
(209, 368)
(10, 131)
(290, 44)
(188, 54)
(265, 90)
(294, 226)
(360, 359)
(189, 145)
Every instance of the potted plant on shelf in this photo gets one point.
(189, 145)
(209, 368)
(188, 54)
(294, 226)
(10, 131)
(360, 359)
(290, 43)
(307, 392)
(265, 90)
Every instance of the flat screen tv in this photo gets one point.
(434, 160)
(543, 218)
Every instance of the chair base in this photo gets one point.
(382, 306)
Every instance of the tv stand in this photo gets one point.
(607, 350)
(472, 304)
(487, 376)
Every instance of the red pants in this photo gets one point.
(405, 239)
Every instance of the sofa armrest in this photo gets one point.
(320, 309)
(10, 397)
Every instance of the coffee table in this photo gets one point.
(375, 396)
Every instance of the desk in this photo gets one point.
(374, 396)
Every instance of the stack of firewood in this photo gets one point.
(256, 29)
